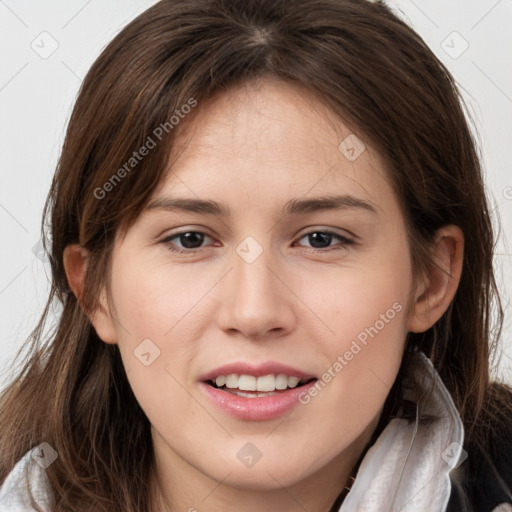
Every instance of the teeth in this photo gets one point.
(231, 380)
(247, 383)
(266, 383)
(293, 381)
(281, 381)
(244, 394)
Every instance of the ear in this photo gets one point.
(436, 292)
(75, 264)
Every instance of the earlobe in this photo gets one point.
(103, 322)
(438, 289)
(76, 259)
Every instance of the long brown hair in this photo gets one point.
(364, 63)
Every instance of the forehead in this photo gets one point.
(269, 133)
(260, 118)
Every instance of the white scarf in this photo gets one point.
(407, 468)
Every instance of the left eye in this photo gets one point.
(192, 240)
(325, 237)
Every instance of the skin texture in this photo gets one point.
(254, 148)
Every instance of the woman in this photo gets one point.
(260, 369)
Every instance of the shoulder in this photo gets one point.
(483, 482)
(14, 492)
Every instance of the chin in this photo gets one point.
(266, 475)
(260, 480)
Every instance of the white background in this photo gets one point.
(36, 96)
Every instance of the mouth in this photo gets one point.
(251, 386)
(256, 393)
(251, 392)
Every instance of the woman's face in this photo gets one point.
(296, 265)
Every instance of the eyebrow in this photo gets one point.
(295, 206)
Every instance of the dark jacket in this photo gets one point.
(484, 480)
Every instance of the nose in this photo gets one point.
(257, 299)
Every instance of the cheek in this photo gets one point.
(156, 325)
(365, 308)
(372, 295)
(169, 305)
(154, 300)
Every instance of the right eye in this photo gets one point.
(189, 240)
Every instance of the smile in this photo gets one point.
(250, 386)
(255, 393)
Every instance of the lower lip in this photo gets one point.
(256, 409)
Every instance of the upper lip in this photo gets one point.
(243, 368)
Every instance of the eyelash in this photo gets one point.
(346, 242)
